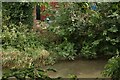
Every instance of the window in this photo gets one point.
(37, 12)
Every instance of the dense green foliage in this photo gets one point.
(28, 73)
(77, 30)
(93, 33)
(14, 16)
(17, 13)
(18, 39)
(66, 50)
(113, 68)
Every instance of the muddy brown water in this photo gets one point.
(80, 68)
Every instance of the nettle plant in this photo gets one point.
(112, 69)
(65, 50)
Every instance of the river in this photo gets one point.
(81, 68)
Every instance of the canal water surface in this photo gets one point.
(81, 68)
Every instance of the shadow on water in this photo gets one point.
(82, 68)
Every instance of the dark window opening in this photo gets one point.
(37, 12)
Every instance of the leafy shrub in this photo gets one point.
(26, 43)
(88, 52)
(26, 73)
(49, 37)
(13, 58)
(112, 69)
(66, 50)
(93, 33)
(15, 13)
(19, 38)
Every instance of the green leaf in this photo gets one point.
(113, 29)
(105, 32)
(96, 42)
